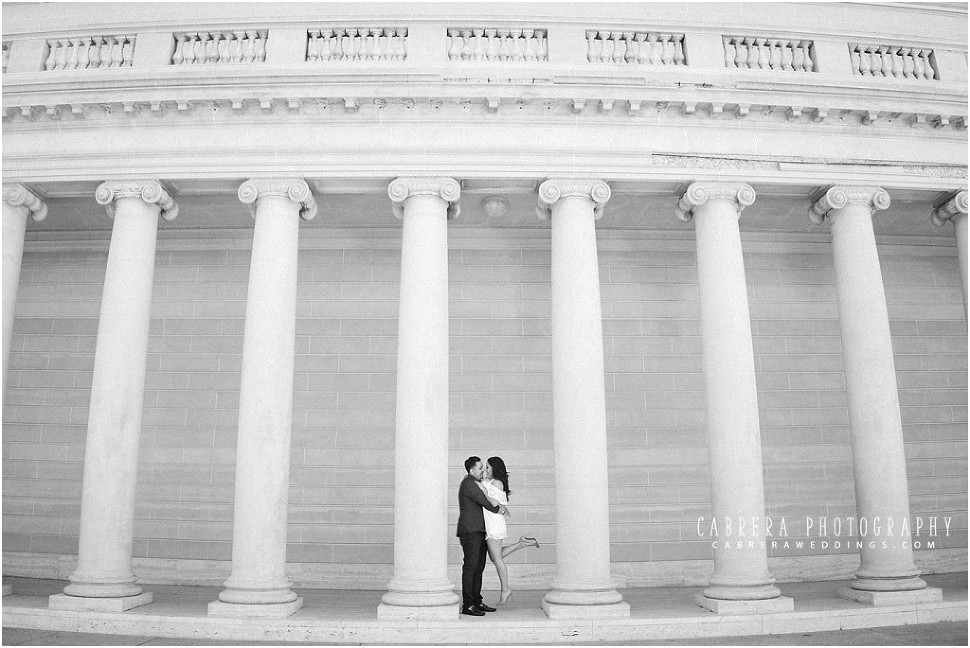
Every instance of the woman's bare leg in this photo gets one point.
(512, 548)
(495, 552)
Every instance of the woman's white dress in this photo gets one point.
(495, 527)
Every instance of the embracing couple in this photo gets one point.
(483, 499)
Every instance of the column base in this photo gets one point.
(7, 590)
(759, 606)
(387, 612)
(255, 610)
(880, 599)
(87, 604)
(608, 611)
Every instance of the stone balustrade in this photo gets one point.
(220, 47)
(635, 48)
(756, 53)
(893, 61)
(357, 44)
(6, 55)
(90, 52)
(490, 44)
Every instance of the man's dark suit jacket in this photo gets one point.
(471, 501)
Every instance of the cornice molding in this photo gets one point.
(700, 193)
(950, 209)
(840, 197)
(555, 189)
(18, 195)
(446, 189)
(296, 189)
(150, 191)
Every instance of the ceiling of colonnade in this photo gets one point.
(777, 209)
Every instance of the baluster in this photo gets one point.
(642, 49)
(369, 44)
(248, 47)
(741, 59)
(917, 63)
(385, 44)
(774, 54)
(466, 46)
(116, 56)
(897, 63)
(808, 64)
(6, 56)
(236, 47)
(261, 37)
(83, 58)
(786, 56)
(763, 56)
(668, 48)
(605, 51)
(326, 45)
(177, 56)
(478, 44)
(630, 51)
(886, 60)
(401, 44)
(198, 48)
(875, 61)
(619, 48)
(211, 49)
(504, 53)
(127, 51)
(908, 66)
(752, 62)
(491, 53)
(679, 58)
(341, 45)
(72, 53)
(530, 47)
(928, 72)
(359, 37)
(656, 49)
(542, 53)
(518, 45)
(454, 45)
(224, 56)
(729, 53)
(591, 55)
(60, 56)
(798, 56)
(51, 60)
(313, 41)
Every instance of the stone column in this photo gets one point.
(18, 204)
(583, 586)
(879, 463)
(741, 582)
(420, 587)
(103, 579)
(258, 586)
(955, 211)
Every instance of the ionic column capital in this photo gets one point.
(448, 189)
(296, 189)
(553, 190)
(839, 197)
(952, 207)
(18, 195)
(700, 193)
(151, 191)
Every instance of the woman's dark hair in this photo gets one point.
(500, 473)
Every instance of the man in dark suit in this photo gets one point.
(471, 534)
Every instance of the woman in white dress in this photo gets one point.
(495, 484)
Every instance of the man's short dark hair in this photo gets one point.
(470, 463)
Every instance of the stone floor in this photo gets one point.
(659, 616)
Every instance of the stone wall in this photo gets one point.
(341, 497)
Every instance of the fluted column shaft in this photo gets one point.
(420, 582)
(579, 401)
(955, 211)
(733, 429)
(258, 577)
(18, 205)
(879, 463)
(117, 391)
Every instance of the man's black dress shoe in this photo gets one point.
(484, 608)
(472, 610)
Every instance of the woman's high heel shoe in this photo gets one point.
(505, 597)
(531, 541)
